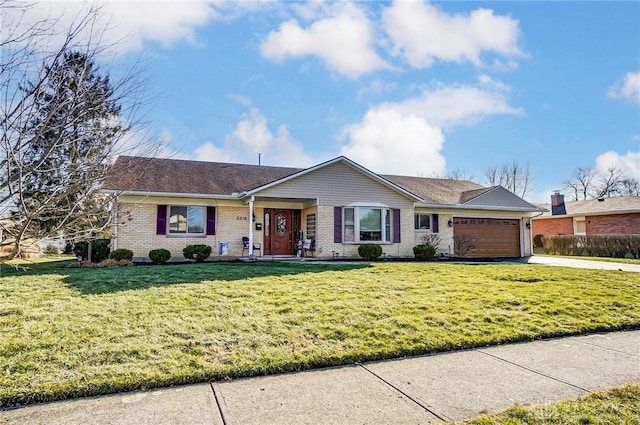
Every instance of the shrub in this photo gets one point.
(99, 250)
(613, 246)
(197, 252)
(370, 251)
(432, 239)
(424, 251)
(159, 256)
(537, 241)
(121, 254)
(51, 250)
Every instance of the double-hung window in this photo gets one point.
(422, 221)
(367, 224)
(186, 220)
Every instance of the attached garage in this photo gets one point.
(486, 237)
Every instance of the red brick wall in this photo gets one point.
(625, 224)
(552, 226)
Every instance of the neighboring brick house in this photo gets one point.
(336, 206)
(603, 216)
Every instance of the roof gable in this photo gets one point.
(496, 197)
(346, 162)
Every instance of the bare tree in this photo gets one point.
(608, 183)
(457, 174)
(629, 186)
(580, 183)
(513, 176)
(57, 138)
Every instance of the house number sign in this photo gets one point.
(241, 218)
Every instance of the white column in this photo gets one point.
(251, 228)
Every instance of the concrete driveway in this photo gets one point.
(582, 264)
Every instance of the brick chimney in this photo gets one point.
(557, 204)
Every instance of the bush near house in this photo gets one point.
(615, 246)
(537, 241)
(159, 256)
(99, 250)
(121, 254)
(370, 251)
(197, 252)
(424, 252)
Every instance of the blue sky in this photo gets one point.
(413, 88)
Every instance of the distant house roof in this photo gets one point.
(602, 206)
(173, 176)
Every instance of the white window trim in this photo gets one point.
(575, 225)
(430, 229)
(385, 211)
(202, 234)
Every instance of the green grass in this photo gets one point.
(615, 406)
(75, 332)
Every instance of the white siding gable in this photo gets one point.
(499, 197)
(337, 184)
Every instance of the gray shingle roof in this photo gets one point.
(436, 191)
(172, 176)
(197, 177)
(615, 205)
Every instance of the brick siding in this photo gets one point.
(625, 224)
(552, 226)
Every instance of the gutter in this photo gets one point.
(171, 194)
(470, 207)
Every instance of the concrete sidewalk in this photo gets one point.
(582, 264)
(418, 390)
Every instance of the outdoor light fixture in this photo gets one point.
(528, 225)
(450, 223)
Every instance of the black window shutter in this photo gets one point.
(211, 220)
(434, 223)
(337, 224)
(161, 220)
(396, 226)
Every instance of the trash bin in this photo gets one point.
(224, 248)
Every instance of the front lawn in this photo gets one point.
(615, 406)
(76, 332)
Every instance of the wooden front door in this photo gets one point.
(282, 237)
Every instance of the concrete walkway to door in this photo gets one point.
(582, 264)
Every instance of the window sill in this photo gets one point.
(188, 235)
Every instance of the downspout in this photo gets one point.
(251, 256)
(115, 225)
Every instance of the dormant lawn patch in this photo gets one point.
(76, 332)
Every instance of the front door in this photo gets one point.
(282, 237)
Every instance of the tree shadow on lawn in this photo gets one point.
(106, 280)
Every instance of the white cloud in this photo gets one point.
(406, 137)
(628, 163)
(628, 88)
(458, 104)
(342, 40)
(388, 141)
(422, 33)
(252, 136)
(124, 25)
